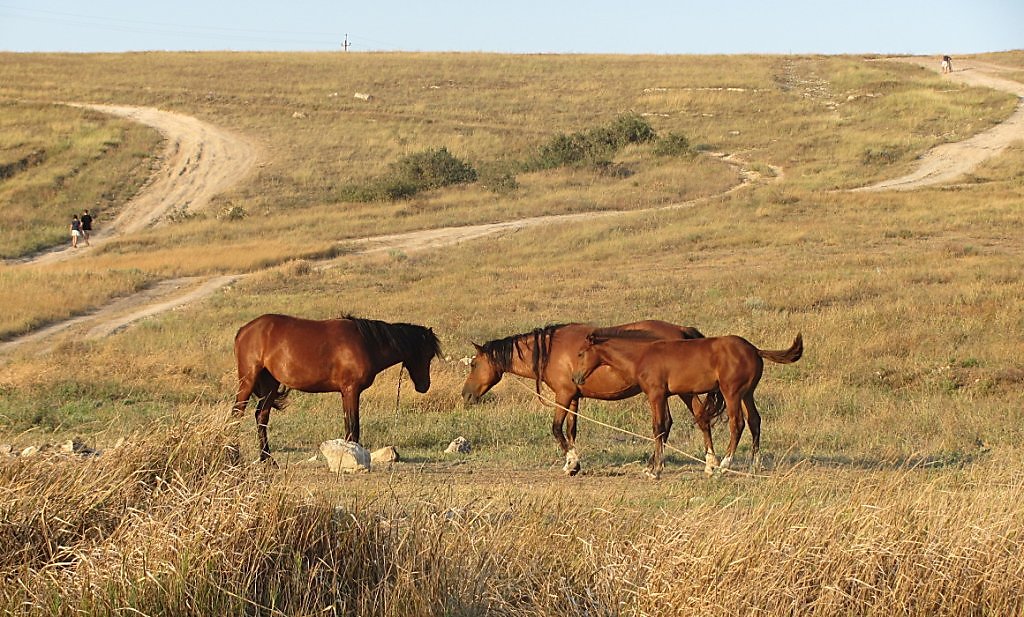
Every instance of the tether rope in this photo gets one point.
(628, 432)
(398, 395)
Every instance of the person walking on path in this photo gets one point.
(86, 225)
(76, 230)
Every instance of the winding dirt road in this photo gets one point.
(201, 161)
(949, 162)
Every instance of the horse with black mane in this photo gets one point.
(548, 355)
(729, 364)
(279, 353)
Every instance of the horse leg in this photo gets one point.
(556, 425)
(262, 420)
(572, 457)
(659, 409)
(246, 383)
(732, 405)
(350, 403)
(754, 420)
(703, 422)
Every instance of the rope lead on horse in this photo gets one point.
(627, 432)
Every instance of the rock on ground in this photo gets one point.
(345, 456)
(385, 455)
(459, 445)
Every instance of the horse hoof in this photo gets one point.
(653, 475)
(572, 463)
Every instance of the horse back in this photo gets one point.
(300, 353)
(605, 383)
(700, 365)
(663, 329)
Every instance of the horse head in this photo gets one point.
(419, 359)
(588, 358)
(484, 372)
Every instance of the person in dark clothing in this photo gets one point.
(86, 225)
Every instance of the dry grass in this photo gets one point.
(894, 486)
(170, 524)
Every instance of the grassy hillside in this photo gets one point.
(894, 480)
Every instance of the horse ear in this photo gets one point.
(477, 347)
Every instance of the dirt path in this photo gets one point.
(164, 296)
(199, 161)
(949, 162)
(175, 293)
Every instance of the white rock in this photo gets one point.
(459, 445)
(385, 455)
(345, 456)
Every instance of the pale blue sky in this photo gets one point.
(524, 26)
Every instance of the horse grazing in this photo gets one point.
(548, 355)
(277, 353)
(662, 368)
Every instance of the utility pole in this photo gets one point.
(345, 45)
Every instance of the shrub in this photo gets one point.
(411, 174)
(886, 155)
(233, 213)
(673, 144)
(499, 178)
(594, 147)
(432, 169)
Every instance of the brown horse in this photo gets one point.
(548, 355)
(662, 368)
(276, 353)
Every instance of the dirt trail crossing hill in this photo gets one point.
(947, 162)
(201, 161)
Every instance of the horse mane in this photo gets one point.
(500, 350)
(397, 335)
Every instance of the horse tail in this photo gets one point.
(787, 356)
(266, 385)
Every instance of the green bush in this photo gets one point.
(594, 147)
(673, 144)
(499, 177)
(432, 169)
(420, 171)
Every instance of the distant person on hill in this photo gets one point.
(86, 225)
(947, 64)
(76, 230)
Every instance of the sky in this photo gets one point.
(523, 26)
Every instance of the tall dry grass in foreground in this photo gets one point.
(171, 524)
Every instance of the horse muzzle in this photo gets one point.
(470, 397)
(579, 377)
